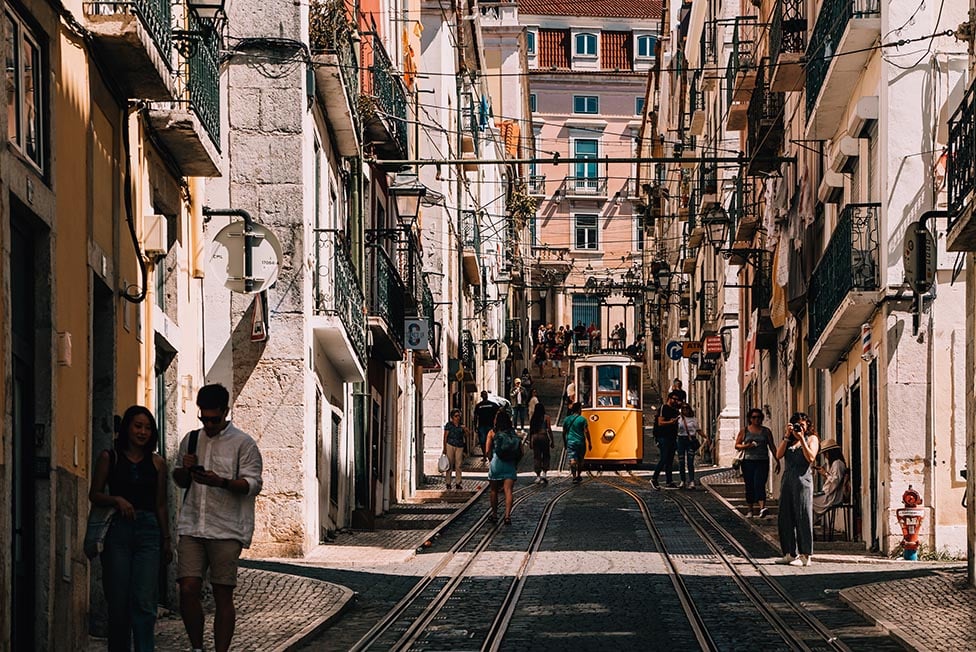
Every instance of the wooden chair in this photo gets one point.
(846, 507)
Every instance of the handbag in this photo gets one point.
(443, 463)
(737, 459)
(693, 441)
(99, 521)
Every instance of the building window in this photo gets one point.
(586, 104)
(530, 42)
(586, 148)
(586, 45)
(645, 47)
(639, 231)
(533, 103)
(585, 226)
(25, 108)
(638, 106)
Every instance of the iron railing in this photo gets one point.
(762, 282)
(788, 32)
(387, 298)
(470, 231)
(513, 332)
(742, 55)
(383, 86)
(333, 34)
(765, 120)
(961, 165)
(537, 184)
(466, 351)
(426, 308)
(155, 16)
(849, 263)
(202, 70)
(587, 186)
(336, 287)
(707, 303)
(827, 33)
(410, 267)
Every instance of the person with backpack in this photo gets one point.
(505, 450)
(576, 437)
(666, 435)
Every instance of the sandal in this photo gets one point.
(508, 521)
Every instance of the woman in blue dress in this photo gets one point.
(501, 474)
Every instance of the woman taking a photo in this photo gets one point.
(756, 443)
(799, 448)
(132, 478)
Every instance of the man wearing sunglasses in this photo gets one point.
(221, 472)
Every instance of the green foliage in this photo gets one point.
(328, 24)
(926, 554)
(522, 206)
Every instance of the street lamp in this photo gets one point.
(207, 9)
(407, 191)
(716, 224)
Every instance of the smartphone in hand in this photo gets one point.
(196, 468)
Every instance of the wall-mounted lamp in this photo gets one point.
(407, 191)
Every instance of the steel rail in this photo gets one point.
(825, 632)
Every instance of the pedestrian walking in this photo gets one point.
(799, 448)
(689, 434)
(576, 438)
(131, 477)
(221, 472)
(540, 429)
(484, 419)
(520, 404)
(533, 401)
(835, 475)
(756, 443)
(666, 435)
(502, 473)
(676, 389)
(454, 437)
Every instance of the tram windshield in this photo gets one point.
(633, 387)
(584, 386)
(609, 385)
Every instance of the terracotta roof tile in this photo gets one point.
(641, 9)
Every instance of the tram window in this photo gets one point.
(633, 387)
(584, 387)
(608, 386)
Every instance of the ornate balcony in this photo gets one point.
(514, 334)
(787, 46)
(761, 295)
(696, 106)
(708, 308)
(765, 119)
(189, 127)
(961, 174)
(385, 305)
(134, 42)
(471, 246)
(468, 359)
(740, 71)
(839, 47)
(744, 213)
(383, 105)
(845, 286)
(536, 185)
(708, 55)
(336, 71)
(338, 323)
(589, 186)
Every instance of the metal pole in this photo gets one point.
(249, 238)
(557, 160)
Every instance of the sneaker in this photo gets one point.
(763, 512)
(655, 484)
(537, 480)
(750, 515)
(545, 481)
(786, 560)
(691, 484)
(799, 561)
(805, 560)
(681, 485)
(458, 486)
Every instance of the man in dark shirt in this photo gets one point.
(484, 418)
(676, 389)
(666, 434)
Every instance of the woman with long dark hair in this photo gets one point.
(540, 431)
(756, 443)
(132, 478)
(799, 448)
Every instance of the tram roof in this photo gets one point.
(605, 358)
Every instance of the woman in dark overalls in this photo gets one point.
(799, 448)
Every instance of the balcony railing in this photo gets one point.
(788, 32)
(203, 78)
(741, 58)
(337, 289)
(762, 282)
(827, 34)
(387, 299)
(466, 352)
(765, 119)
(514, 333)
(961, 166)
(382, 86)
(329, 31)
(470, 231)
(707, 305)
(155, 16)
(586, 186)
(537, 185)
(849, 263)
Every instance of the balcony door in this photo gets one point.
(586, 171)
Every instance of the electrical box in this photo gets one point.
(155, 237)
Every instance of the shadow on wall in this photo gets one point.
(248, 353)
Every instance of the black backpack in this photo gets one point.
(508, 446)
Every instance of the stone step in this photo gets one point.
(442, 495)
(407, 522)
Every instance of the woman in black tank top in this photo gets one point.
(132, 479)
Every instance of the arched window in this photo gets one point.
(586, 45)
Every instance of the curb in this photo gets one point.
(317, 625)
(432, 535)
(890, 628)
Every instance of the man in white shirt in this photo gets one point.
(221, 476)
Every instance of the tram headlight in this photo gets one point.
(608, 435)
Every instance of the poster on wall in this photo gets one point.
(415, 335)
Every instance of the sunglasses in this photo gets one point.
(213, 420)
(756, 416)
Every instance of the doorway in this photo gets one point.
(856, 457)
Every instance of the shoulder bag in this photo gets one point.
(99, 521)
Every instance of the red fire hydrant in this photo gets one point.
(910, 518)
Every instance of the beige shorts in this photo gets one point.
(194, 555)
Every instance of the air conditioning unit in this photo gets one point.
(155, 236)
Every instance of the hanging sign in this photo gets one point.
(259, 326)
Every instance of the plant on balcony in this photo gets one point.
(328, 24)
(522, 206)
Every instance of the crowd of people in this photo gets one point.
(553, 344)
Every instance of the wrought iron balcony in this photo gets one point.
(844, 285)
(765, 119)
(740, 71)
(338, 323)
(425, 310)
(787, 46)
(744, 213)
(134, 41)
(708, 308)
(466, 354)
(585, 186)
(384, 105)
(336, 70)
(961, 174)
(537, 185)
(386, 305)
(839, 47)
(513, 335)
(471, 246)
(696, 105)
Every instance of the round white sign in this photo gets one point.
(227, 258)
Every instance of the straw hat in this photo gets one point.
(518, 381)
(828, 444)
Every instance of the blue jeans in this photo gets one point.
(686, 452)
(754, 475)
(519, 416)
(130, 576)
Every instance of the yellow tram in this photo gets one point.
(609, 388)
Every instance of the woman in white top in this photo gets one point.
(688, 433)
(835, 476)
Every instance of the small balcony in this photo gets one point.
(788, 46)
(514, 334)
(740, 71)
(536, 185)
(468, 359)
(630, 190)
(588, 187)
(383, 105)
(744, 213)
(839, 47)
(336, 72)
(386, 305)
(696, 106)
(708, 50)
(189, 126)
(761, 295)
(765, 120)
(426, 357)
(134, 41)
(708, 316)
(961, 174)
(471, 247)
(845, 286)
(338, 323)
